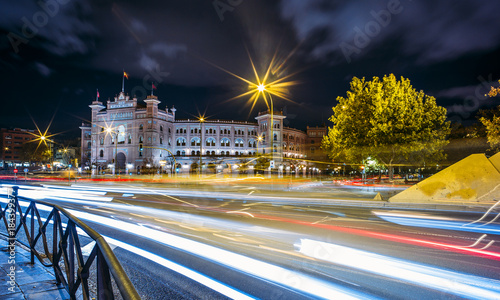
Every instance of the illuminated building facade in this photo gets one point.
(145, 136)
(12, 141)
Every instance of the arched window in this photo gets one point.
(102, 141)
(238, 143)
(251, 143)
(183, 153)
(210, 142)
(181, 141)
(101, 153)
(275, 137)
(121, 134)
(141, 127)
(161, 141)
(236, 153)
(178, 153)
(195, 141)
(192, 153)
(222, 152)
(225, 142)
(89, 145)
(129, 138)
(141, 139)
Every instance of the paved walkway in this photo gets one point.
(31, 281)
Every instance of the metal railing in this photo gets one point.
(66, 248)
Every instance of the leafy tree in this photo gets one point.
(32, 152)
(491, 120)
(389, 121)
(494, 91)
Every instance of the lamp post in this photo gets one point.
(201, 119)
(259, 139)
(111, 131)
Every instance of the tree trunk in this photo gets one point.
(391, 172)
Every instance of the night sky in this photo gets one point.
(55, 54)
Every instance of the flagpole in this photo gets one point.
(151, 88)
(97, 95)
(123, 82)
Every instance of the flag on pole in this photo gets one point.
(97, 93)
(153, 86)
(125, 74)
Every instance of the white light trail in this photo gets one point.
(432, 277)
(414, 220)
(263, 270)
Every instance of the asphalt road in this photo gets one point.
(181, 244)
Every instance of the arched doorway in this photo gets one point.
(121, 159)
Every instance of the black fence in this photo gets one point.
(65, 250)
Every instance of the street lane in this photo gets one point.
(273, 234)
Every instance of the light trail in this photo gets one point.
(191, 274)
(414, 220)
(301, 282)
(389, 237)
(447, 281)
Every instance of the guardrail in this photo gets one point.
(66, 248)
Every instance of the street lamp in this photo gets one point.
(201, 119)
(110, 131)
(259, 140)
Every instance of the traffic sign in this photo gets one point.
(271, 164)
(15, 171)
(26, 170)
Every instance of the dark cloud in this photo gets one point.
(431, 30)
(442, 46)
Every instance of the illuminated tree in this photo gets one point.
(494, 91)
(389, 121)
(491, 121)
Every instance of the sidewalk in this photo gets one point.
(31, 281)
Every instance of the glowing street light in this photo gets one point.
(201, 119)
(110, 130)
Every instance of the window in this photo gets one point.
(239, 143)
(195, 141)
(101, 153)
(129, 139)
(225, 142)
(102, 141)
(161, 141)
(141, 127)
(210, 142)
(181, 141)
(141, 139)
(251, 143)
(161, 128)
(89, 145)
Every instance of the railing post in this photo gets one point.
(32, 235)
(11, 220)
(104, 288)
(71, 255)
(55, 248)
